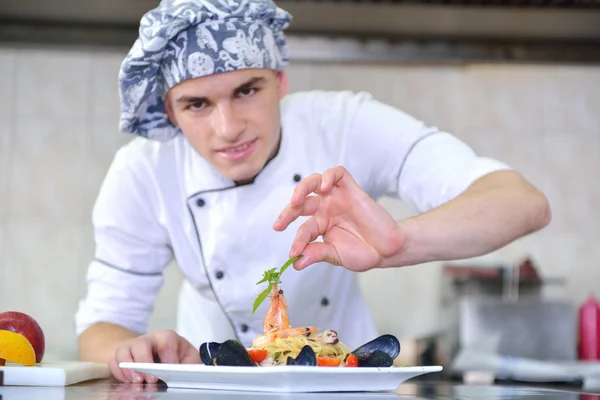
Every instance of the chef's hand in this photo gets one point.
(168, 346)
(357, 232)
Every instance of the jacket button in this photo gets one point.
(200, 202)
(244, 328)
(297, 178)
(219, 275)
(324, 301)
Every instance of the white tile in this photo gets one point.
(52, 83)
(374, 79)
(501, 97)
(104, 141)
(104, 86)
(329, 76)
(522, 150)
(431, 94)
(404, 301)
(572, 256)
(550, 253)
(5, 165)
(572, 100)
(4, 169)
(86, 253)
(573, 189)
(427, 93)
(299, 77)
(47, 174)
(7, 72)
(42, 271)
(7, 86)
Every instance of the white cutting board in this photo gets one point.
(62, 373)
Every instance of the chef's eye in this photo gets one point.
(246, 92)
(197, 105)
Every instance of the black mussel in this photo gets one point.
(208, 352)
(306, 356)
(233, 353)
(377, 359)
(387, 344)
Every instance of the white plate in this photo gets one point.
(299, 379)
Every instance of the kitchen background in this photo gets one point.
(58, 133)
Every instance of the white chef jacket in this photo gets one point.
(162, 201)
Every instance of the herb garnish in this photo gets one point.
(273, 277)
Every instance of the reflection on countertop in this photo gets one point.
(111, 390)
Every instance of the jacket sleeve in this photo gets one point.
(393, 154)
(132, 249)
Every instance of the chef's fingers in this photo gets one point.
(291, 212)
(317, 252)
(174, 349)
(333, 177)
(142, 351)
(117, 372)
(306, 186)
(188, 354)
(307, 232)
(123, 354)
(320, 184)
(167, 347)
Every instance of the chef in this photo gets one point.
(230, 175)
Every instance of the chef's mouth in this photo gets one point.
(235, 149)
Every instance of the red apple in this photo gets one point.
(27, 326)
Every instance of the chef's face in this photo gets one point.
(232, 119)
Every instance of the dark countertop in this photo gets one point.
(111, 390)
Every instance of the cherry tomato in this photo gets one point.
(351, 360)
(257, 356)
(328, 362)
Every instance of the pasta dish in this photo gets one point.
(282, 344)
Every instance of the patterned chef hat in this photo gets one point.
(183, 39)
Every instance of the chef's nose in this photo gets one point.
(228, 124)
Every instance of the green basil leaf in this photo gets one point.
(267, 276)
(288, 263)
(261, 297)
(271, 276)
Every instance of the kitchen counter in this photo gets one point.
(111, 390)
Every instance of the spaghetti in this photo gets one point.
(280, 349)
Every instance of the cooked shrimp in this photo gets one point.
(277, 321)
(277, 317)
(282, 334)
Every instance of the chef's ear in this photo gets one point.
(169, 109)
(282, 82)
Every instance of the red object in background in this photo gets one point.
(589, 329)
(598, 331)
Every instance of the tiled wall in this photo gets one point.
(58, 133)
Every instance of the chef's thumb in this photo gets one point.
(317, 252)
